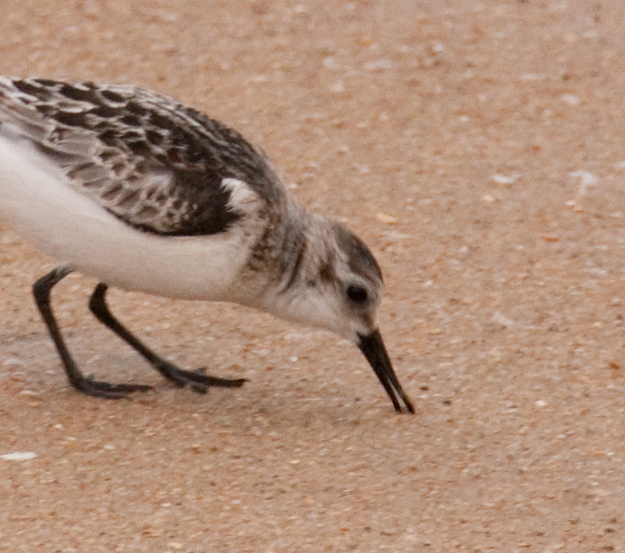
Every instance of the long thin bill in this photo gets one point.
(373, 348)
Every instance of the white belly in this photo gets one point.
(37, 203)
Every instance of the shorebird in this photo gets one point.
(144, 193)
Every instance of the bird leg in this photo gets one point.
(198, 381)
(41, 291)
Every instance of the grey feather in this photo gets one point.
(145, 158)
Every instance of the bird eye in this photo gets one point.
(357, 294)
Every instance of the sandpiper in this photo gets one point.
(146, 194)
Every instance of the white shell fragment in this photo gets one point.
(19, 456)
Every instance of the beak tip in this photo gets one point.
(409, 406)
(373, 349)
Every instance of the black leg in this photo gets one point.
(41, 291)
(196, 379)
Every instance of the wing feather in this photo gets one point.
(149, 160)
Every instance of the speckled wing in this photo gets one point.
(152, 162)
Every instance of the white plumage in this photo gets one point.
(145, 194)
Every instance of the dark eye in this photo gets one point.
(357, 294)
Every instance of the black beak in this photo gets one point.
(375, 352)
